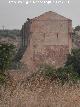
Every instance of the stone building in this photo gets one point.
(46, 39)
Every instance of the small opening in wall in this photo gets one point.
(57, 35)
(34, 46)
(44, 35)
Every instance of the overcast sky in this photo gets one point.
(13, 16)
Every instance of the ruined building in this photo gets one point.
(46, 39)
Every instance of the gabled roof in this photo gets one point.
(50, 16)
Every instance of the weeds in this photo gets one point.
(63, 75)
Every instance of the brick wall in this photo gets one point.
(50, 40)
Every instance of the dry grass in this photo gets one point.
(38, 91)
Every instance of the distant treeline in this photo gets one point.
(10, 33)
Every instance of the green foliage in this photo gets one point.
(47, 70)
(6, 55)
(74, 60)
(2, 78)
(65, 74)
(77, 28)
(69, 73)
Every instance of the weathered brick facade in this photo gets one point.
(48, 40)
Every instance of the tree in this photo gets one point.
(77, 28)
(6, 56)
(74, 60)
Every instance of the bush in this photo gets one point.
(2, 78)
(6, 56)
(47, 70)
(77, 28)
(65, 74)
(74, 60)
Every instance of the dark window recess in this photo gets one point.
(57, 35)
(30, 32)
(34, 46)
(44, 35)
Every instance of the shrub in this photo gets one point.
(47, 70)
(2, 78)
(6, 56)
(65, 74)
(77, 28)
(74, 60)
